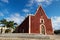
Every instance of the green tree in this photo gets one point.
(4, 22)
(9, 24)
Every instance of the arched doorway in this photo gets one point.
(42, 29)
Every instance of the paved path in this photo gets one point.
(24, 36)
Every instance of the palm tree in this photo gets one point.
(9, 24)
(4, 22)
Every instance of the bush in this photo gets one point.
(7, 31)
(57, 31)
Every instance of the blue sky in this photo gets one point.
(17, 10)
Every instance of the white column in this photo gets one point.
(29, 24)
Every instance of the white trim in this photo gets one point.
(41, 19)
(44, 27)
(44, 12)
(29, 24)
(52, 27)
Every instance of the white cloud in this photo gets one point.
(25, 10)
(17, 18)
(30, 3)
(29, 14)
(6, 1)
(40, 2)
(56, 22)
(1, 14)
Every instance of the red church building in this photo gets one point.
(38, 24)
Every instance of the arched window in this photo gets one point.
(42, 29)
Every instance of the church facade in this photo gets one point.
(38, 24)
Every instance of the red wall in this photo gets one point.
(23, 26)
(35, 22)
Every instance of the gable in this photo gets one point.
(40, 12)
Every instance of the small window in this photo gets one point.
(41, 20)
